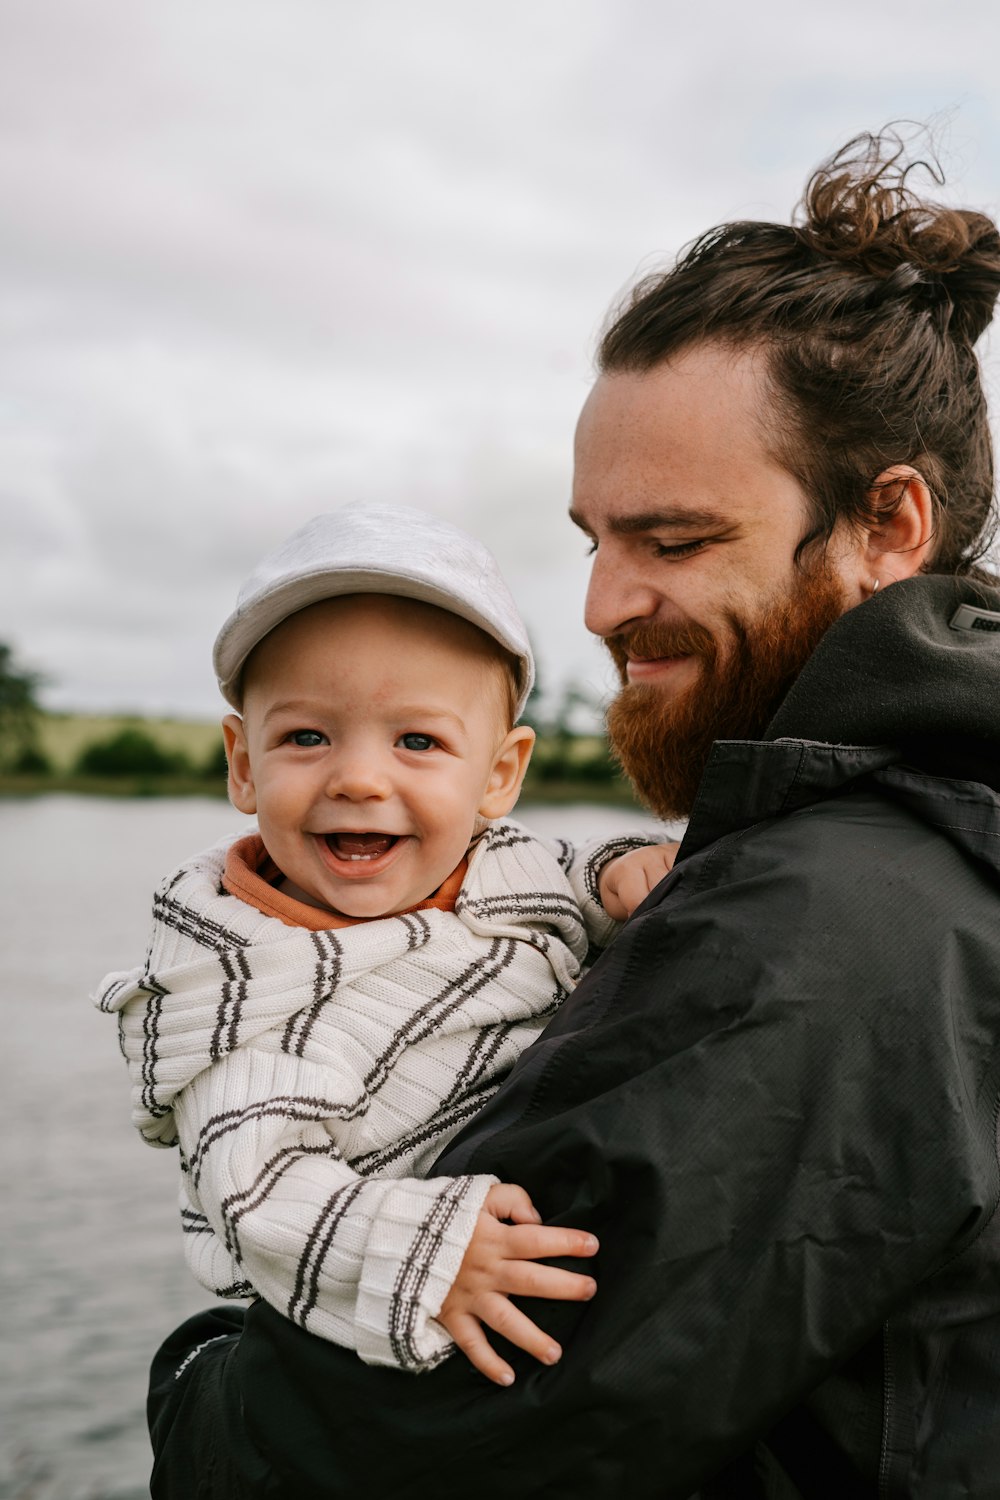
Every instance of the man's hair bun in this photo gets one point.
(860, 210)
(865, 309)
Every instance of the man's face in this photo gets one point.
(694, 585)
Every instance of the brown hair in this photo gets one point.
(867, 308)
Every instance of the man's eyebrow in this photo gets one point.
(680, 518)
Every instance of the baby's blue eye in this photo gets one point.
(307, 738)
(416, 742)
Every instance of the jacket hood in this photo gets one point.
(898, 691)
(901, 670)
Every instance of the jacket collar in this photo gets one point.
(901, 669)
(747, 781)
(893, 689)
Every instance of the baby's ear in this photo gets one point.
(242, 793)
(504, 785)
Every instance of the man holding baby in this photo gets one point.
(774, 1100)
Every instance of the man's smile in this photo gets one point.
(642, 668)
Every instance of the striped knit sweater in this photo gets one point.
(309, 1078)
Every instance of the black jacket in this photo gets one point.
(775, 1100)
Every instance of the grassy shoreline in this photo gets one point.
(561, 771)
(62, 736)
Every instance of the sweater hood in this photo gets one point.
(219, 974)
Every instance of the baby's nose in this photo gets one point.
(358, 776)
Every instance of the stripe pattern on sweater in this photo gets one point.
(311, 1077)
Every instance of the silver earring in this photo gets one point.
(875, 587)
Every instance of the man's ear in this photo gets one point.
(241, 788)
(504, 785)
(902, 541)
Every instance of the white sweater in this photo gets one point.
(310, 1077)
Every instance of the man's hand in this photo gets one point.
(627, 881)
(498, 1264)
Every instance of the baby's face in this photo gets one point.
(373, 733)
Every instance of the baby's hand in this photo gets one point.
(627, 881)
(498, 1264)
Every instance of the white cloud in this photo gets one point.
(262, 259)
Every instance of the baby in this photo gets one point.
(324, 1003)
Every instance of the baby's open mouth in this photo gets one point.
(360, 846)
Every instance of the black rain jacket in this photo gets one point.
(775, 1100)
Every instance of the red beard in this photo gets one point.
(663, 741)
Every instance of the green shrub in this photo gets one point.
(215, 767)
(31, 761)
(572, 758)
(130, 752)
(597, 765)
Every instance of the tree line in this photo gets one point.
(562, 753)
(128, 752)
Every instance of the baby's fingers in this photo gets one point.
(469, 1337)
(505, 1200)
(523, 1278)
(547, 1242)
(633, 888)
(518, 1329)
(613, 901)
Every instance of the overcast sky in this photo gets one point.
(262, 258)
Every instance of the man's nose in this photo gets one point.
(617, 596)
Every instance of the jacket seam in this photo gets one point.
(965, 828)
(794, 779)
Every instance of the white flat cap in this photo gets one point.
(373, 549)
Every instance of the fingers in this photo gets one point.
(508, 1201)
(496, 1311)
(520, 1233)
(500, 1261)
(628, 880)
(546, 1242)
(518, 1329)
(523, 1278)
(515, 1326)
(633, 888)
(613, 903)
(651, 865)
(468, 1335)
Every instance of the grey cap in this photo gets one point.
(374, 549)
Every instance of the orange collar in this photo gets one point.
(251, 873)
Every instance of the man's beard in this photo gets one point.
(663, 741)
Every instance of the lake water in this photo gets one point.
(92, 1271)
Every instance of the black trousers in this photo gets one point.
(190, 1409)
(247, 1406)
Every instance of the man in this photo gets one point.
(775, 1099)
